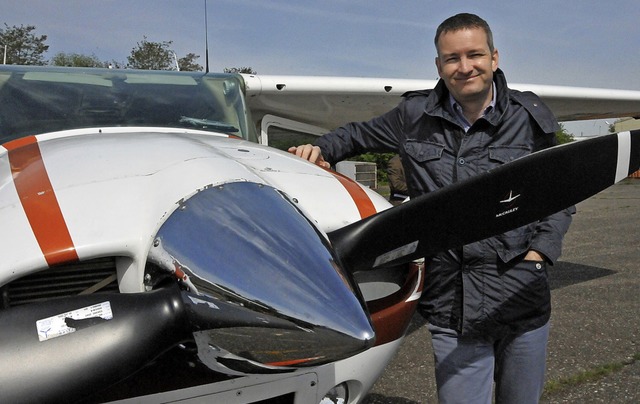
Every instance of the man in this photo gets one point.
(397, 185)
(487, 303)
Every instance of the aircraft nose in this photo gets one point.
(262, 286)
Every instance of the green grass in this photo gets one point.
(590, 375)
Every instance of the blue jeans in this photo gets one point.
(467, 367)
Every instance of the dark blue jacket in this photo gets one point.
(484, 287)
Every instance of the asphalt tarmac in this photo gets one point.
(594, 346)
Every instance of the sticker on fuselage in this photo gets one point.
(66, 323)
(399, 252)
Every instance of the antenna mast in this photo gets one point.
(206, 38)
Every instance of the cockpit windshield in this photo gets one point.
(37, 100)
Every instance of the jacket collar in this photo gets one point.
(438, 99)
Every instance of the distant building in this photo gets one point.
(624, 125)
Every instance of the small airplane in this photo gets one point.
(157, 248)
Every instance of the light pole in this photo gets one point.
(175, 59)
(4, 60)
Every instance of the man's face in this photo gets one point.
(466, 64)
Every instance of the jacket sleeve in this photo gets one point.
(550, 232)
(380, 134)
(538, 110)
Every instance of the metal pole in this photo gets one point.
(4, 61)
(206, 38)
(175, 59)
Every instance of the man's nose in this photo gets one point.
(465, 65)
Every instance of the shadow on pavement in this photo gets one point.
(566, 274)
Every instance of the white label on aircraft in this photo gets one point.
(56, 326)
(397, 253)
(195, 300)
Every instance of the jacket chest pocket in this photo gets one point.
(499, 155)
(422, 152)
(428, 160)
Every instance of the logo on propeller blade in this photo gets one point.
(509, 201)
(510, 198)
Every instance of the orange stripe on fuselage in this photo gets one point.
(359, 196)
(39, 201)
(293, 362)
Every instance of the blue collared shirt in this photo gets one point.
(459, 115)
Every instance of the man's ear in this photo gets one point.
(495, 58)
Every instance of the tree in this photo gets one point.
(563, 136)
(246, 70)
(188, 63)
(76, 60)
(151, 56)
(23, 47)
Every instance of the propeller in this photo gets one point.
(515, 194)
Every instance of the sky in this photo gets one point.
(585, 43)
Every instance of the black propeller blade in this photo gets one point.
(513, 195)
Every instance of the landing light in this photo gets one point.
(337, 395)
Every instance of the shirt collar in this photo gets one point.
(457, 109)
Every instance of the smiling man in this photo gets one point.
(487, 303)
(466, 62)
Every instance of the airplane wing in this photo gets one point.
(329, 102)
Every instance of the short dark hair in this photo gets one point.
(464, 21)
